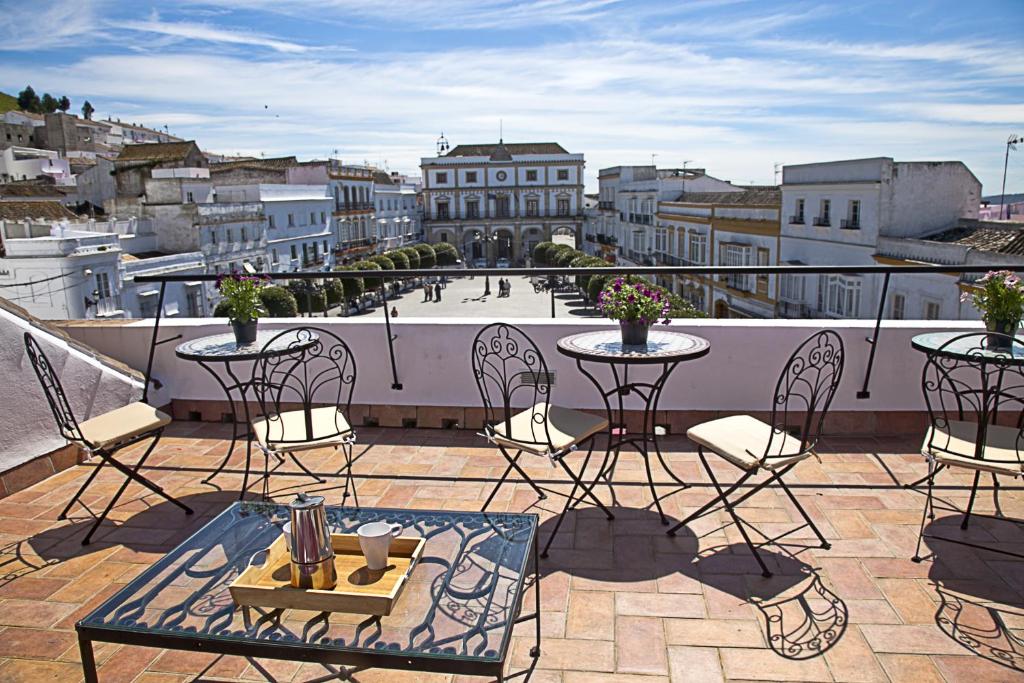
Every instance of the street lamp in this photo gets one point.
(485, 239)
(1011, 143)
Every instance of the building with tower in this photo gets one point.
(495, 202)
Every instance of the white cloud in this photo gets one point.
(208, 33)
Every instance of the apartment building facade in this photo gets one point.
(734, 228)
(397, 212)
(496, 202)
(627, 207)
(839, 213)
(298, 232)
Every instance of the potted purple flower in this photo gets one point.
(1000, 298)
(242, 295)
(636, 305)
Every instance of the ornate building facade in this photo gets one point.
(496, 202)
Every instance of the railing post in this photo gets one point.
(395, 384)
(873, 340)
(152, 342)
(552, 288)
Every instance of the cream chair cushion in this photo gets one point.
(565, 427)
(122, 424)
(732, 437)
(955, 446)
(287, 431)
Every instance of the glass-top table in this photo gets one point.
(456, 614)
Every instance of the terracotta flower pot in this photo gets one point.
(634, 333)
(245, 333)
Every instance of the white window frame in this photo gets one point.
(927, 306)
(793, 288)
(697, 242)
(840, 295)
(898, 306)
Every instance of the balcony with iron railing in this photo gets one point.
(796, 220)
(416, 419)
(822, 221)
(849, 224)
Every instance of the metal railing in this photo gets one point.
(386, 278)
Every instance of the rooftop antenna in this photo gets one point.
(652, 160)
(688, 161)
(501, 131)
(442, 144)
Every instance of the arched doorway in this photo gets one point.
(472, 245)
(564, 234)
(502, 244)
(531, 239)
(721, 309)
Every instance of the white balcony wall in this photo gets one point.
(434, 361)
(28, 429)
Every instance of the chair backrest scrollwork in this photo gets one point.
(511, 375)
(54, 391)
(318, 369)
(804, 392)
(969, 381)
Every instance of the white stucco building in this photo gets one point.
(397, 212)
(628, 198)
(299, 233)
(498, 201)
(27, 163)
(735, 228)
(841, 212)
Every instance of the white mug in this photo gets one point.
(374, 540)
(287, 531)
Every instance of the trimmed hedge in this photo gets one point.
(447, 254)
(563, 258)
(370, 282)
(353, 287)
(412, 255)
(309, 299)
(541, 253)
(280, 303)
(428, 254)
(399, 259)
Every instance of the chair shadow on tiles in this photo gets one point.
(980, 605)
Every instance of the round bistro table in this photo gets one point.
(605, 347)
(968, 346)
(222, 350)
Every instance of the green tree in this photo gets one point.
(279, 302)
(28, 100)
(428, 255)
(87, 110)
(335, 292)
(398, 258)
(564, 258)
(308, 297)
(413, 256)
(370, 282)
(353, 287)
(555, 253)
(446, 254)
(49, 103)
(64, 104)
(540, 253)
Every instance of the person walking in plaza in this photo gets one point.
(508, 287)
(437, 292)
(394, 311)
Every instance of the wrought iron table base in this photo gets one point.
(650, 393)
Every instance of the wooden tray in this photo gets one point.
(358, 590)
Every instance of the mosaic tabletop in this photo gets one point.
(222, 347)
(967, 346)
(661, 347)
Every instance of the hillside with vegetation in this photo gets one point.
(7, 102)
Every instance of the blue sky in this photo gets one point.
(734, 86)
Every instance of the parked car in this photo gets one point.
(480, 263)
(503, 263)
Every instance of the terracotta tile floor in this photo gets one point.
(621, 600)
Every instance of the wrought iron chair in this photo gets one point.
(103, 435)
(510, 370)
(303, 398)
(975, 400)
(803, 393)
